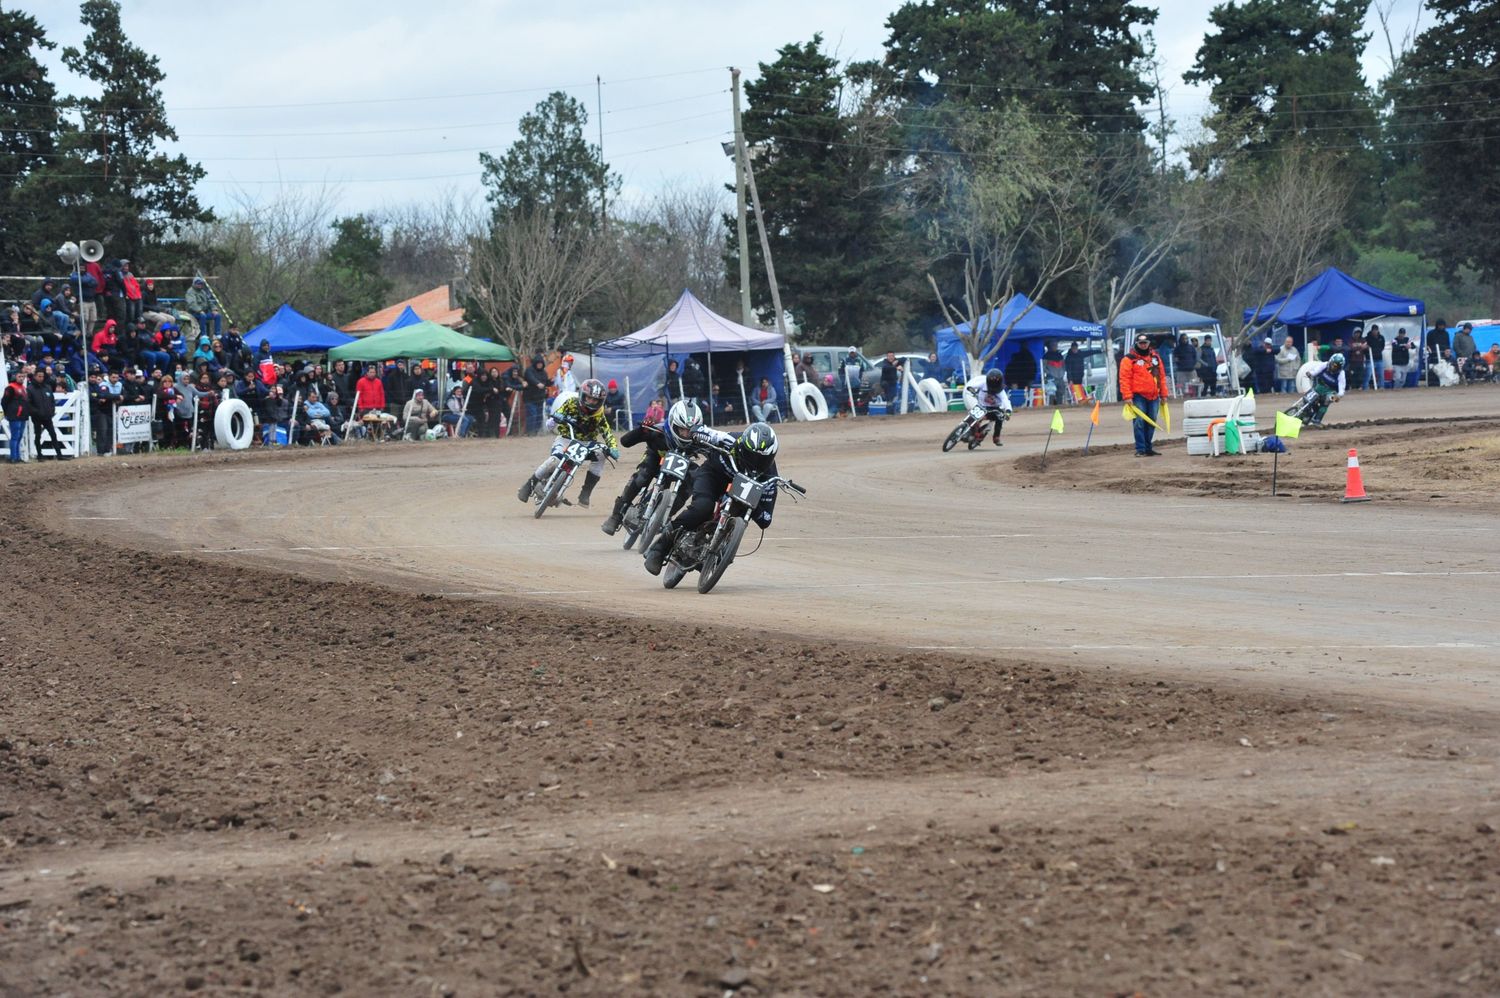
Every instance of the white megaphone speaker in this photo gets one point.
(68, 253)
(92, 250)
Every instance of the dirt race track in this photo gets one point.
(964, 724)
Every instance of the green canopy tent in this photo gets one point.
(421, 341)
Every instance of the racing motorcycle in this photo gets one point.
(577, 454)
(972, 429)
(710, 549)
(644, 519)
(1311, 407)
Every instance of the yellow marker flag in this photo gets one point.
(1249, 394)
(1057, 423)
(1128, 413)
(1094, 416)
(1166, 416)
(1288, 426)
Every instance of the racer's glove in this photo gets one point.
(614, 452)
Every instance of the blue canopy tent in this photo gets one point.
(1034, 327)
(689, 327)
(406, 318)
(1337, 304)
(289, 331)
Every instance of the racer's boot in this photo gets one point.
(998, 424)
(524, 492)
(660, 548)
(589, 481)
(612, 524)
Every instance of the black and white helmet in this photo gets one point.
(591, 396)
(755, 449)
(683, 418)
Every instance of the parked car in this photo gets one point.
(830, 360)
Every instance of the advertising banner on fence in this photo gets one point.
(133, 424)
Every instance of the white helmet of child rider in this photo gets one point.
(683, 418)
(755, 448)
(1337, 360)
(591, 396)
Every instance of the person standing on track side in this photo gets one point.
(677, 436)
(1143, 384)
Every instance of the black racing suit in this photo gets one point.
(658, 441)
(713, 477)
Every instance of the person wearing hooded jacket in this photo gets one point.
(534, 395)
(1143, 384)
(40, 408)
(13, 407)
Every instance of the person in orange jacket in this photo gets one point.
(1143, 384)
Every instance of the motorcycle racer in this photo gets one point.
(1328, 382)
(585, 414)
(994, 399)
(752, 452)
(680, 435)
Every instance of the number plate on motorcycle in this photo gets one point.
(977, 412)
(747, 490)
(579, 453)
(674, 465)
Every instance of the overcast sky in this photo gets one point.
(389, 102)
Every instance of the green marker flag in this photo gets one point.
(1057, 423)
(1288, 426)
(1232, 441)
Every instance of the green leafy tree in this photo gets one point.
(28, 127)
(352, 270)
(1288, 70)
(1081, 58)
(841, 258)
(109, 180)
(1445, 91)
(551, 168)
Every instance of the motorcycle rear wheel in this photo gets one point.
(717, 560)
(975, 439)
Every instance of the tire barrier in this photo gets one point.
(937, 398)
(1304, 377)
(233, 427)
(808, 403)
(1216, 408)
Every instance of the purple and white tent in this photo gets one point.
(689, 327)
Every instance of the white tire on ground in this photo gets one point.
(808, 403)
(937, 398)
(1216, 408)
(1304, 376)
(233, 427)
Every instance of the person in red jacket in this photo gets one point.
(105, 338)
(1143, 384)
(371, 395)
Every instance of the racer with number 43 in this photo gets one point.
(584, 416)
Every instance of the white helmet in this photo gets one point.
(683, 418)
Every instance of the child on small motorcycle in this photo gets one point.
(994, 399)
(1327, 387)
(583, 412)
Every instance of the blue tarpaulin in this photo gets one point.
(289, 331)
(1332, 297)
(1035, 326)
(406, 318)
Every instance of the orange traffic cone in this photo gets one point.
(1354, 485)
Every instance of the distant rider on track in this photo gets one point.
(585, 414)
(1328, 382)
(995, 400)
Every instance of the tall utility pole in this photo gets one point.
(747, 317)
(604, 176)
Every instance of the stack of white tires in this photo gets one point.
(1199, 414)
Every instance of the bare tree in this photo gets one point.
(273, 251)
(672, 242)
(528, 277)
(1013, 206)
(1272, 225)
(425, 242)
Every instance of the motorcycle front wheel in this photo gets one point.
(555, 486)
(718, 559)
(633, 534)
(953, 438)
(671, 575)
(657, 518)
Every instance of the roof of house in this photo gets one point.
(430, 305)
